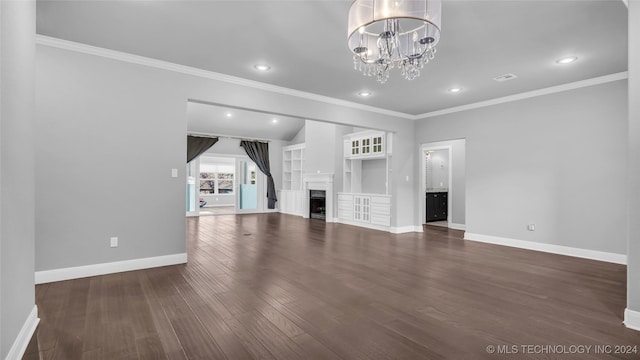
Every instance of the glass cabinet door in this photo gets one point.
(355, 147)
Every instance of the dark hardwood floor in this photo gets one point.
(274, 286)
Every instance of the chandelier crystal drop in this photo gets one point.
(384, 34)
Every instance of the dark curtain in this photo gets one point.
(196, 145)
(259, 153)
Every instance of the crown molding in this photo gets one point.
(529, 94)
(165, 65)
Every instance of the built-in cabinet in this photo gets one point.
(354, 206)
(291, 197)
(363, 146)
(436, 203)
(292, 165)
(364, 209)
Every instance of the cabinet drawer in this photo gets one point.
(344, 197)
(380, 220)
(381, 209)
(345, 205)
(345, 214)
(382, 200)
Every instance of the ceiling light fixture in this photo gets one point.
(228, 114)
(364, 93)
(384, 34)
(455, 90)
(274, 121)
(567, 60)
(262, 67)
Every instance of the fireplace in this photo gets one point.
(317, 204)
(318, 182)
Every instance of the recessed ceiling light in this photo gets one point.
(228, 114)
(364, 93)
(567, 60)
(262, 67)
(274, 121)
(455, 90)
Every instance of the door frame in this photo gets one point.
(423, 181)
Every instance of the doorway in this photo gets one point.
(224, 185)
(442, 183)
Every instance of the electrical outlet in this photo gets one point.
(531, 227)
(114, 242)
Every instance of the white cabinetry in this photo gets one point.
(345, 206)
(365, 144)
(292, 165)
(291, 197)
(368, 210)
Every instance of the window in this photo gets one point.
(216, 183)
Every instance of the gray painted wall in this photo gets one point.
(374, 176)
(107, 137)
(538, 156)
(320, 147)
(299, 138)
(633, 190)
(17, 54)
(118, 113)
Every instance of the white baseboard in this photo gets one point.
(632, 319)
(405, 229)
(457, 226)
(24, 336)
(549, 248)
(78, 272)
(364, 225)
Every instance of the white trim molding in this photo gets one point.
(455, 226)
(632, 319)
(405, 229)
(529, 94)
(47, 276)
(24, 336)
(165, 65)
(549, 248)
(187, 70)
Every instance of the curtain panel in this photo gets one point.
(196, 145)
(259, 153)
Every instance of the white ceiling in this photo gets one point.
(220, 120)
(305, 43)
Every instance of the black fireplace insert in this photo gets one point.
(317, 204)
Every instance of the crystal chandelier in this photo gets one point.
(384, 34)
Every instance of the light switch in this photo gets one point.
(174, 173)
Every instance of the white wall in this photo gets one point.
(537, 161)
(17, 54)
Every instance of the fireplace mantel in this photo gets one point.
(321, 181)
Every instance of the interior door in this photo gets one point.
(249, 186)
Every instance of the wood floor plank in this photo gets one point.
(273, 286)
